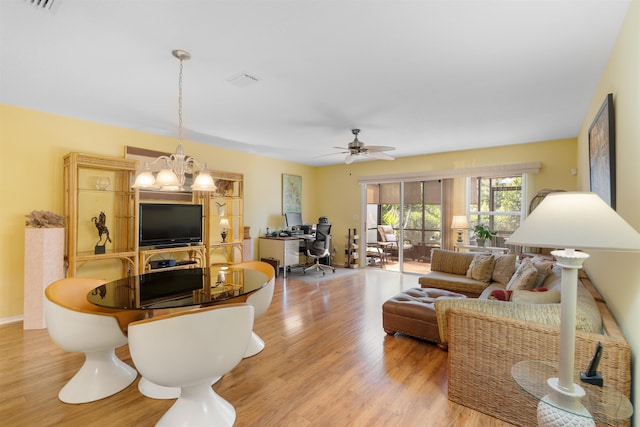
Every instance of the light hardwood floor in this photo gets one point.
(327, 362)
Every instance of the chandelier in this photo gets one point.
(175, 167)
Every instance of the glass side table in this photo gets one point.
(598, 403)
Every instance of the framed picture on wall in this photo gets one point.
(291, 193)
(602, 153)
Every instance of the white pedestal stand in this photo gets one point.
(566, 394)
(43, 264)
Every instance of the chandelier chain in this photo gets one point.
(180, 103)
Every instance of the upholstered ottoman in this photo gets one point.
(412, 313)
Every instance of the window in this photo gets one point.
(496, 202)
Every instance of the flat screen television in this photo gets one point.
(169, 224)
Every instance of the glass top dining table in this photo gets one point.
(179, 288)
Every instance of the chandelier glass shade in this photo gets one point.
(175, 167)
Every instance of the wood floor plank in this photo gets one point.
(327, 362)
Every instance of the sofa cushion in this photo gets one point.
(524, 278)
(492, 287)
(481, 268)
(452, 282)
(450, 261)
(531, 297)
(504, 268)
(554, 279)
(544, 267)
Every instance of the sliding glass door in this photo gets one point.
(409, 214)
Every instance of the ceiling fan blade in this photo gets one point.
(378, 148)
(331, 154)
(380, 155)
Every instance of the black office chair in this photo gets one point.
(320, 248)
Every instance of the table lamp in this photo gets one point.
(460, 223)
(224, 224)
(572, 220)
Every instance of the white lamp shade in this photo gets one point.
(576, 220)
(167, 178)
(203, 182)
(460, 222)
(224, 223)
(144, 180)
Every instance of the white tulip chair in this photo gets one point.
(76, 325)
(261, 300)
(189, 349)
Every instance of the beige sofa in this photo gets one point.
(448, 271)
(486, 337)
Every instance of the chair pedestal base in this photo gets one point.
(156, 391)
(101, 375)
(199, 406)
(256, 345)
(319, 267)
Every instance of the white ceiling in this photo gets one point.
(423, 76)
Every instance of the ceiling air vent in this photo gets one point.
(41, 4)
(243, 80)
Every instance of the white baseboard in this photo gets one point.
(6, 320)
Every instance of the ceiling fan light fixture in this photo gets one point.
(357, 150)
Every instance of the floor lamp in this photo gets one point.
(572, 220)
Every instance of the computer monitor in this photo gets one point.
(293, 219)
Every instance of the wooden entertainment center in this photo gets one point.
(96, 185)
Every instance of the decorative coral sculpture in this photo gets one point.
(44, 219)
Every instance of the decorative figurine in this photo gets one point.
(100, 223)
(44, 219)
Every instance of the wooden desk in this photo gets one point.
(285, 249)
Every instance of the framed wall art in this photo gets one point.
(602, 153)
(291, 193)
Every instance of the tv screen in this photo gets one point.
(164, 224)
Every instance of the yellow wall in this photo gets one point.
(34, 143)
(617, 275)
(341, 190)
(40, 140)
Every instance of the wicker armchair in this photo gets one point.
(484, 347)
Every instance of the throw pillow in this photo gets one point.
(500, 294)
(504, 267)
(481, 268)
(544, 267)
(529, 297)
(524, 278)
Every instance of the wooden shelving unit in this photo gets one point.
(95, 184)
(352, 249)
(227, 203)
(196, 256)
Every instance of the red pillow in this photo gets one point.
(504, 295)
(500, 295)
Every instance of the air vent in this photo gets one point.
(41, 4)
(243, 80)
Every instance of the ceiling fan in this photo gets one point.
(356, 150)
